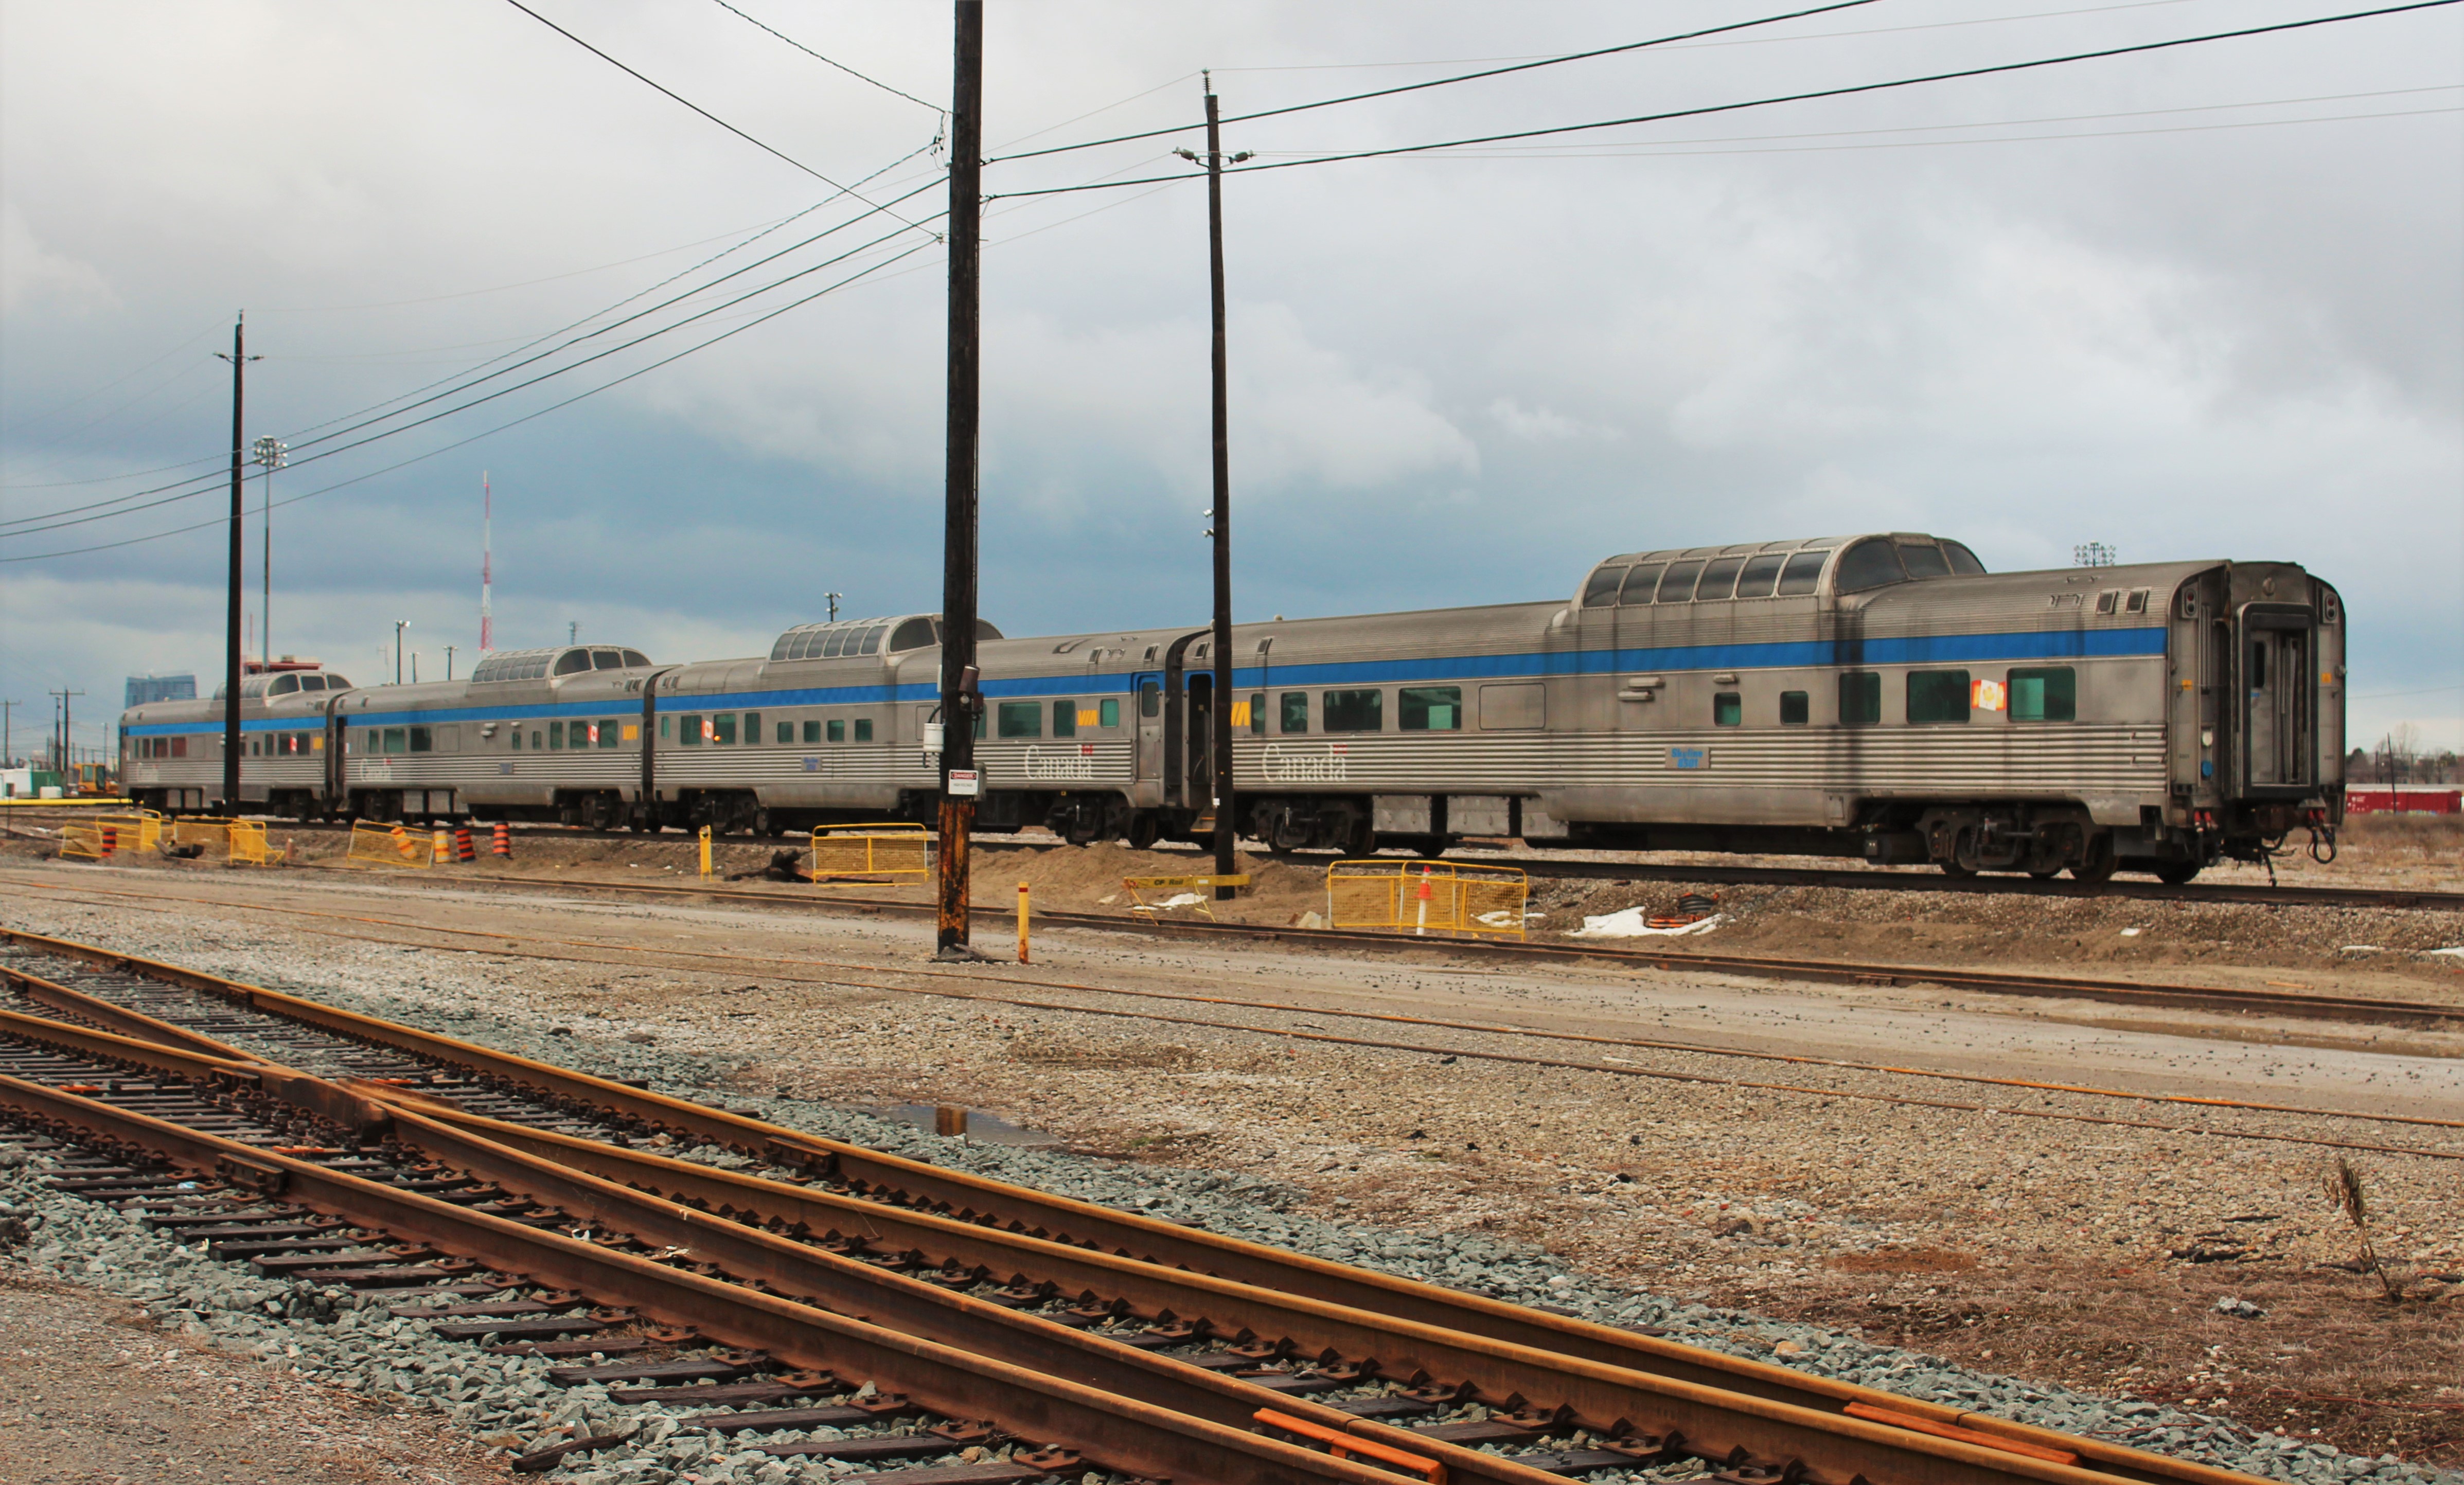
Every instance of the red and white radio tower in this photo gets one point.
(487, 550)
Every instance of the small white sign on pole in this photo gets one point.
(965, 783)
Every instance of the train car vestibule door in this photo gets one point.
(1147, 698)
(2278, 717)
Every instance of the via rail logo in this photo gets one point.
(1689, 758)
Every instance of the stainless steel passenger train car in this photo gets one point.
(1879, 696)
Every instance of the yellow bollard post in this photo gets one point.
(1021, 922)
(1420, 924)
(439, 852)
(705, 853)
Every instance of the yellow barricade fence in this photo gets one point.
(374, 843)
(211, 833)
(81, 840)
(247, 844)
(1426, 897)
(140, 831)
(887, 848)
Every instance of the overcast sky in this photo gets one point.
(2198, 303)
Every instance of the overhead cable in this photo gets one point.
(1442, 82)
(833, 61)
(687, 102)
(1849, 90)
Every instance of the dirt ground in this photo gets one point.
(92, 1394)
(2017, 1229)
(2388, 953)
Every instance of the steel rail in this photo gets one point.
(1112, 1429)
(1862, 879)
(1491, 1028)
(980, 1200)
(1863, 1434)
(1595, 1390)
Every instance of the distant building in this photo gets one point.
(142, 688)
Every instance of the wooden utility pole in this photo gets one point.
(232, 639)
(960, 785)
(1226, 828)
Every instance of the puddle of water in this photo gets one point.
(982, 1129)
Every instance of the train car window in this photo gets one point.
(663, 728)
(913, 634)
(1869, 564)
(722, 730)
(1795, 709)
(2107, 601)
(179, 747)
(535, 739)
(283, 686)
(1295, 711)
(786, 732)
(573, 662)
(396, 739)
(1109, 711)
(2137, 603)
(872, 639)
(634, 657)
(2048, 693)
(311, 682)
(1677, 584)
(1938, 696)
(1761, 571)
(1728, 710)
(1925, 561)
(1150, 698)
(752, 728)
(1640, 582)
(612, 731)
(838, 729)
(1065, 719)
(423, 739)
(1719, 578)
(1962, 561)
(690, 730)
(1860, 698)
(813, 732)
(606, 660)
(1361, 709)
(1602, 590)
(1429, 708)
(515, 736)
(1803, 574)
(863, 726)
(1022, 719)
(555, 735)
(1252, 711)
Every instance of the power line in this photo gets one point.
(518, 385)
(852, 278)
(687, 102)
(1440, 82)
(834, 62)
(24, 525)
(1764, 103)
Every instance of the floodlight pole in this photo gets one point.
(1227, 830)
(958, 672)
(270, 452)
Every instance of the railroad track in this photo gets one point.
(2217, 998)
(1858, 879)
(1077, 1336)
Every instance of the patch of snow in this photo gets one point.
(1630, 924)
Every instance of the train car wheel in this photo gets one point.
(2176, 873)
(2044, 873)
(1145, 830)
(1954, 869)
(2099, 862)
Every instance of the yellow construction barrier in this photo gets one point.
(1183, 889)
(81, 840)
(886, 849)
(1426, 897)
(248, 844)
(142, 831)
(240, 842)
(374, 843)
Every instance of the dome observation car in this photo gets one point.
(532, 665)
(848, 636)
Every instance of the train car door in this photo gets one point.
(1147, 687)
(2278, 701)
